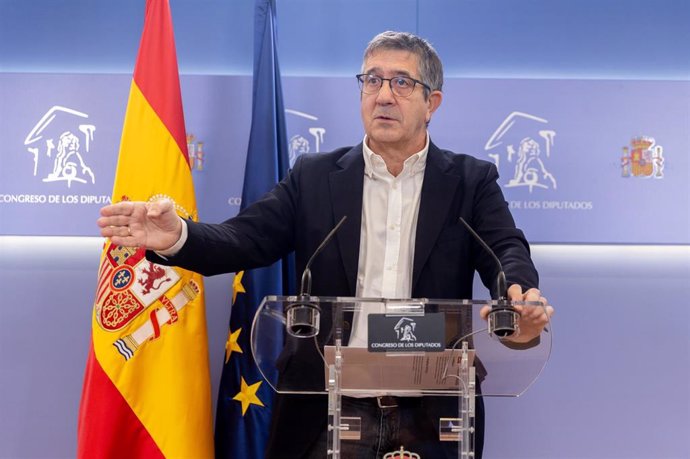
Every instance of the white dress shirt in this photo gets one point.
(390, 207)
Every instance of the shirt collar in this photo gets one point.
(374, 164)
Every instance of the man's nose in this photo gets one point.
(385, 95)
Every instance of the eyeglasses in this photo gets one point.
(400, 85)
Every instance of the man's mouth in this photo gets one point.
(384, 118)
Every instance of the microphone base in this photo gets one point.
(303, 318)
(503, 321)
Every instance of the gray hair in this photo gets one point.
(430, 67)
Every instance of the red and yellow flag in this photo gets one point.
(146, 388)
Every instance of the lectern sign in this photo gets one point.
(406, 333)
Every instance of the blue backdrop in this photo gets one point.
(609, 156)
(552, 90)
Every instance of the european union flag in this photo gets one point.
(245, 399)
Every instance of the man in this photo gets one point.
(403, 197)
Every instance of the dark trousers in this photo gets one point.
(389, 423)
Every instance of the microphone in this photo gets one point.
(303, 316)
(503, 318)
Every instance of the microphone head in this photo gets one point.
(303, 318)
(503, 320)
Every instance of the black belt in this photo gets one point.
(383, 401)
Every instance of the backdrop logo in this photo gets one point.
(527, 146)
(644, 158)
(58, 144)
(305, 136)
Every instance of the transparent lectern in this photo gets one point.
(413, 348)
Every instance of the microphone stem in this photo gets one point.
(501, 283)
(306, 282)
(306, 274)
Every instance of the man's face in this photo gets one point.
(392, 122)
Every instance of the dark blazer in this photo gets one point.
(298, 213)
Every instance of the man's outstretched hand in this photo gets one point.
(154, 225)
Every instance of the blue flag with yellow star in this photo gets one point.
(244, 400)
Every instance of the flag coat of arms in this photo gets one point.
(147, 387)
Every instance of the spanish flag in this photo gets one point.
(147, 387)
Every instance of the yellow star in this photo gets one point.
(247, 395)
(231, 344)
(237, 286)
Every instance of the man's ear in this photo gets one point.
(433, 102)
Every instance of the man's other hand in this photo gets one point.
(533, 319)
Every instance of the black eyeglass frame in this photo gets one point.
(390, 83)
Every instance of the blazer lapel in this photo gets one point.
(346, 197)
(438, 188)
